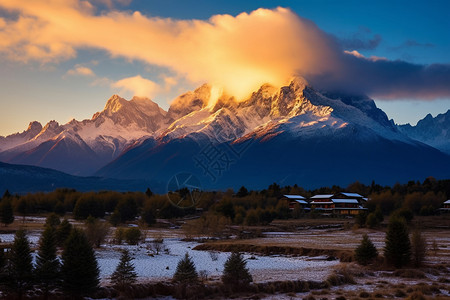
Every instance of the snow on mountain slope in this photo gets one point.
(189, 102)
(292, 134)
(16, 139)
(81, 147)
(293, 129)
(270, 106)
(432, 131)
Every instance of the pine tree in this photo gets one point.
(124, 275)
(235, 271)
(79, 270)
(7, 194)
(20, 266)
(398, 247)
(185, 272)
(62, 232)
(419, 248)
(52, 220)
(148, 192)
(47, 263)
(6, 211)
(366, 251)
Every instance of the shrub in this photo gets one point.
(418, 247)
(366, 251)
(119, 235)
(416, 296)
(185, 272)
(364, 294)
(133, 235)
(371, 220)
(96, 231)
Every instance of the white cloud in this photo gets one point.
(138, 86)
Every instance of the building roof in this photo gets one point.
(301, 201)
(353, 201)
(314, 202)
(294, 196)
(351, 195)
(447, 202)
(322, 196)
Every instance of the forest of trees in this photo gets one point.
(242, 207)
(214, 210)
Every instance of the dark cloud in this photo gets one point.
(385, 79)
(358, 43)
(411, 44)
(360, 40)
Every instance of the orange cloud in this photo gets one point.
(80, 70)
(237, 53)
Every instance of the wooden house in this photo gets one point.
(322, 203)
(297, 201)
(445, 206)
(339, 203)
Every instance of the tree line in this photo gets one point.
(243, 207)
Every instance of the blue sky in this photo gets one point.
(74, 79)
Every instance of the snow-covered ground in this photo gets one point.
(163, 265)
(152, 267)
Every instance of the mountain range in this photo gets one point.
(432, 131)
(290, 134)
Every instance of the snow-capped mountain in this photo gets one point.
(432, 131)
(290, 134)
(81, 147)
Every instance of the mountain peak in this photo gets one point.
(298, 83)
(34, 126)
(114, 103)
(190, 101)
(51, 125)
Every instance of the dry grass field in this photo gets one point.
(319, 240)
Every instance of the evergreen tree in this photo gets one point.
(80, 272)
(185, 272)
(22, 208)
(419, 248)
(47, 263)
(242, 192)
(397, 250)
(148, 192)
(6, 211)
(62, 232)
(366, 251)
(124, 275)
(20, 266)
(235, 271)
(7, 194)
(52, 220)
